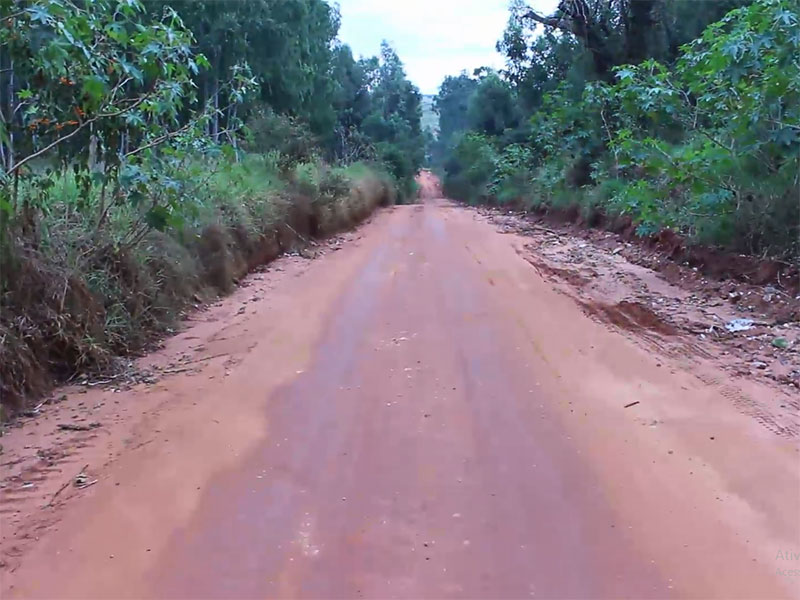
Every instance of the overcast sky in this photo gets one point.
(434, 38)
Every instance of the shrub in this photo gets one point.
(74, 297)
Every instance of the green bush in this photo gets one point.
(470, 169)
(708, 146)
(282, 136)
(74, 296)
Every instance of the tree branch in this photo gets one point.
(72, 133)
(159, 140)
(556, 22)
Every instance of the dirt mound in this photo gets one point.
(724, 265)
(638, 285)
(220, 252)
(632, 316)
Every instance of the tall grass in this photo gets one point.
(76, 293)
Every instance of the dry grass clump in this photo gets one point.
(74, 304)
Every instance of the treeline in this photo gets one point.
(669, 113)
(109, 77)
(324, 98)
(155, 151)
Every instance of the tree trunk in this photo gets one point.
(215, 121)
(10, 132)
(575, 17)
(4, 110)
(92, 148)
(643, 35)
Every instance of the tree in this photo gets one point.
(287, 43)
(492, 107)
(452, 104)
(352, 102)
(616, 32)
(96, 88)
(700, 136)
(394, 121)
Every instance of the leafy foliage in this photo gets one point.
(152, 150)
(100, 88)
(471, 167)
(121, 89)
(707, 142)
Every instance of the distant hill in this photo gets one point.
(430, 118)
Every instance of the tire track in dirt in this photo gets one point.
(424, 413)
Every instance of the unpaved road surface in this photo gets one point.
(416, 413)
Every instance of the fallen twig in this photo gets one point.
(66, 485)
(34, 411)
(173, 371)
(195, 360)
(61, 489)
(78, 427)
(550, 231)
(307, 241)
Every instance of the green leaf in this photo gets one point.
(780, 342)
(132, 70)
(95, 88)
(5, 206)
(39, 13)
(786, 135)
(625, 73)
(157, 217)
(135, 197)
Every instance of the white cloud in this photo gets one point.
(434, 38)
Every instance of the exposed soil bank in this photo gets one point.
(711, 262)
(752, 330)
(421, 413)
(59, 323)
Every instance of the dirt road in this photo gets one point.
(415, 414)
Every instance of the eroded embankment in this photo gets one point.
(749, 327)
(61, 319)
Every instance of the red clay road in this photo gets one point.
(421, 415)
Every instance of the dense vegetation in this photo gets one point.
(155, 151)
(669, 113)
